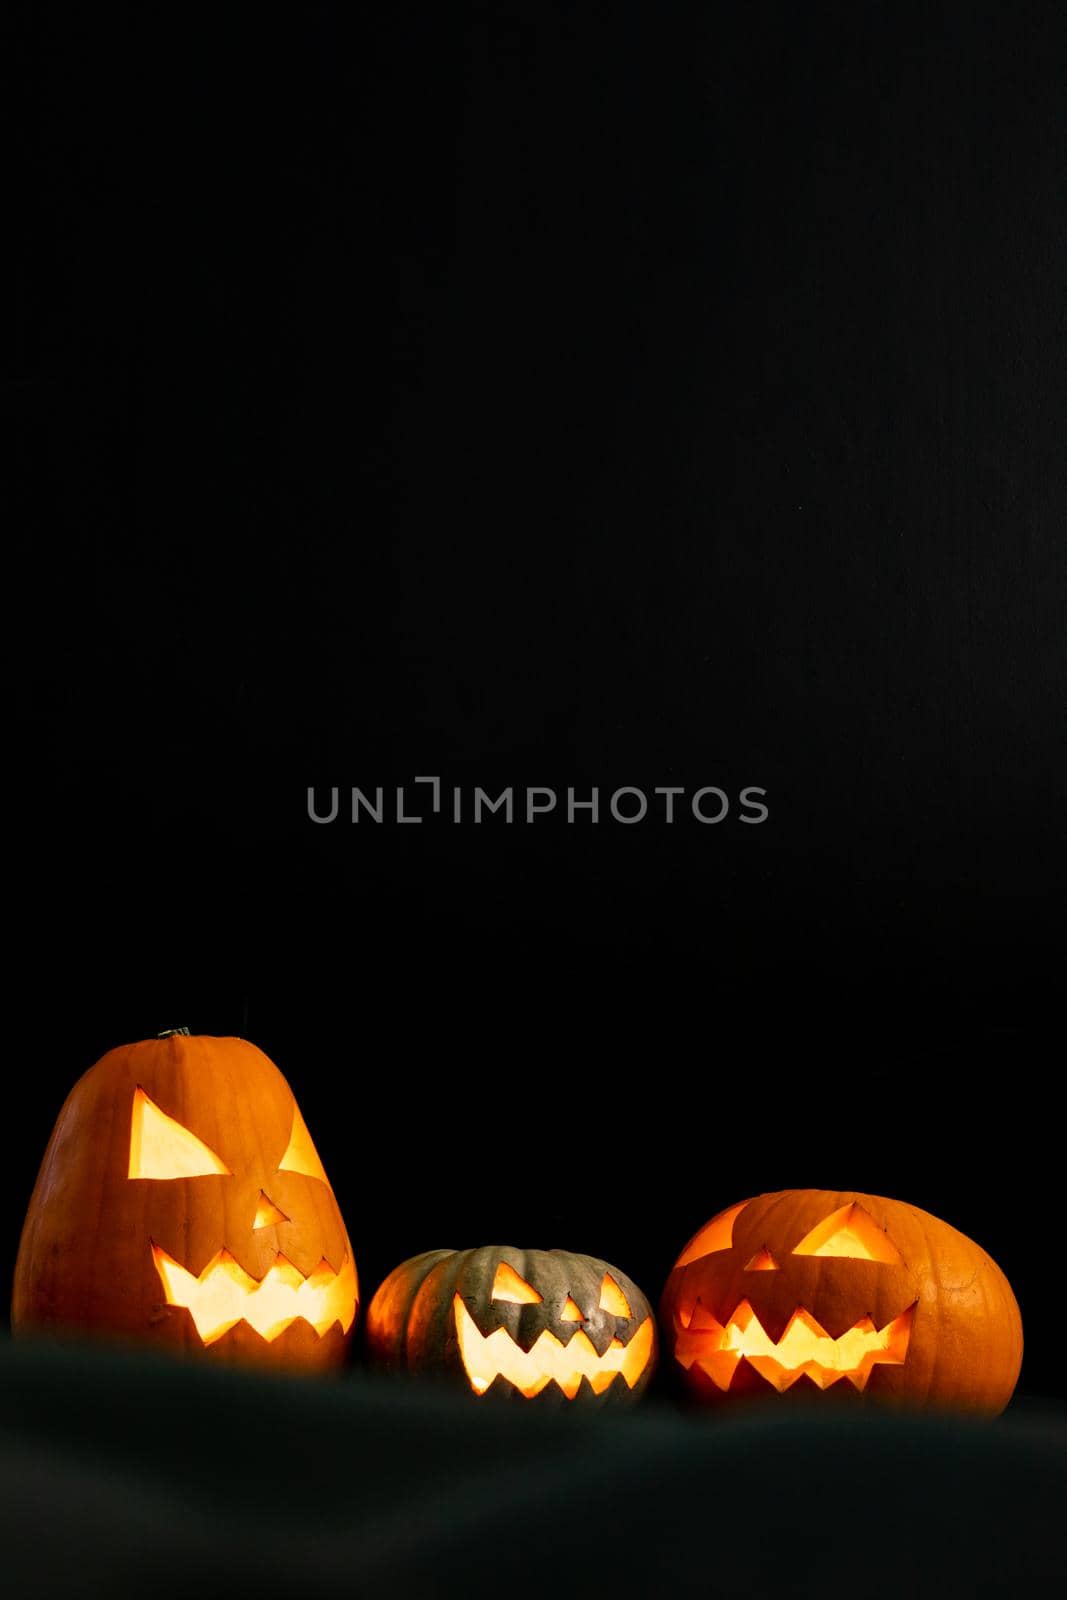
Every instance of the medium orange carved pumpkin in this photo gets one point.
(810, 1290)
(525, 1324)
(181, 1202)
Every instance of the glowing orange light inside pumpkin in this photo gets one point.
(804, 1348)
(762, 1261)
(570, 1312)
(496, 1355)
(718, 1234)
(225, 1293)
(612, 1298)
(160, 1147)
(300, 1154)
(267, 1213)
(507, 1285)
(849, 1231)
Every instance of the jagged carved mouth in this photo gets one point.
(549, 1360)
(225, 1294)
(804, 1350)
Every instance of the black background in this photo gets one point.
(557, 395)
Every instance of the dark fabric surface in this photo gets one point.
(123, 1475)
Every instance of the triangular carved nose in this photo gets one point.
(267, 1212)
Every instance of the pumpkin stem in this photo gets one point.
(170, 1032)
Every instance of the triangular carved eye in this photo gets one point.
(612, 1298)
(849, 1231)
(508, 1286)
(160, 1147)
(301, 1155)
(718, 1234)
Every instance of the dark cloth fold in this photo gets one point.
(121, 1474)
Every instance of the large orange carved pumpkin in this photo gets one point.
(524, 1324)
(181, 1201)
(812, 1290)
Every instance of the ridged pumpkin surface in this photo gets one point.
(934, 1314)
(259, 1206)
(447, 1310)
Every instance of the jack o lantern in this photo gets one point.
(812, 1290)
(181, 1201)
(526, 1324)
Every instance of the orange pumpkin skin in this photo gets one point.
(87, 1257)
(959, 1341)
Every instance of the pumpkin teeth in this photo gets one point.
(225, 1294)
(496, 1355)
(805, 1348)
